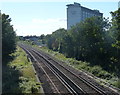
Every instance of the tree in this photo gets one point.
(42, 36)
(115, 29)
(55, 40)
(93, 40)
(8, 36)
(88, 40)
(59, 35)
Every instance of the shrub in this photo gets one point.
(117, 84)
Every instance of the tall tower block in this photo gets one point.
(77, 13)
(73, 14)
(119, 4)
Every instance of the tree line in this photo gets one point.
(95, 40)
(8, 37)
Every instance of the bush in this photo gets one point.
(105, 75)
(117, 84)
(99, 72)
(95, 70)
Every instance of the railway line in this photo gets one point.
(59, 77)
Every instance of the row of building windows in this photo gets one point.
(86, 14)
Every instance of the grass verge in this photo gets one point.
(102, 76)
(96, 70)
(18, 75)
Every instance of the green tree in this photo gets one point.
(55, 40)
(115, 31)
(49, 41)
(88, 39)
(8, 36)
(67, 45)
(42, 36)
(59, 35)
(116, 27)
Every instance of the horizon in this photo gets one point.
(36, 18)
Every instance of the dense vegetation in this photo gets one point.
(103, 77)
(92, 45)
(95, 40)
(18, 75)
(8, 37)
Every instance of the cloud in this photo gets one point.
(41, 26)
(48, 20)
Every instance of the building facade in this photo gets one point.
(119, 4)
(77, 13)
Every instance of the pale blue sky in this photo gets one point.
(36, 18)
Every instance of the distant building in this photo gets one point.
(119, 4)
(77, 13)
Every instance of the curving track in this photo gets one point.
(60, 78)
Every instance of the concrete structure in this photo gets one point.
(119, 4)
(77, 13)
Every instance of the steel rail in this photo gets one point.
(74, 88)
(97, 89)
(81, 78)
(69, 82)
(70, 89)
(40, 67)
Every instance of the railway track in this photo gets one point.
(61, 77)
(51, 83)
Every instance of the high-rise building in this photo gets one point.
(77, 13)
(119, 4)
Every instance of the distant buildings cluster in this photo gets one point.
(34, 39)
(77, 13)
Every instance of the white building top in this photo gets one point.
(119, 4)
(77, 13)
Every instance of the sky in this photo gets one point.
(36, 18)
